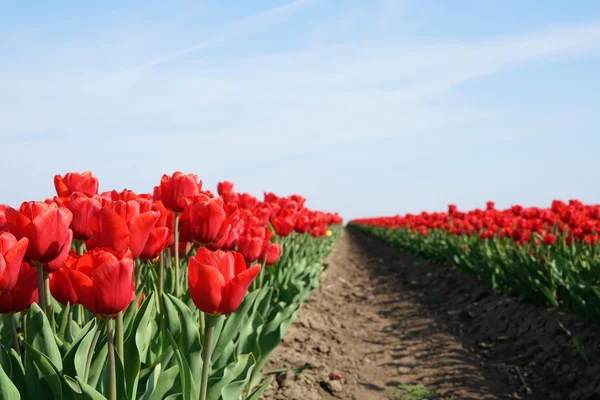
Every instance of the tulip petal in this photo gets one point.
(49, 231)
(59, 261)
(110, 230)
(236, 289)
(113, 285)
(13, 259)
(82, 284)
(206, 286)
(140, 227)
(213, 258)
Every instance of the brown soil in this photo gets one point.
(382, 318)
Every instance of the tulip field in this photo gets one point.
(545, 255)
(174, 294)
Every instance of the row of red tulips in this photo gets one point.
(579, 221)
(90, 249)
(548, 255)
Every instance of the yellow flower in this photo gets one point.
(329, 233)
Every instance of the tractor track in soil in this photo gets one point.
(382, 318)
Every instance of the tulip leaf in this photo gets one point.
(232, 325)
(41, 337)
(8, 390)
(18, 372)
(152, 382)
(81, 390)
(181, 325)
(188, 384)
(137, 344)
(41, 374)
(63, 324)
(229, 382)
(164, 384)
(72, 364)
(260, 390)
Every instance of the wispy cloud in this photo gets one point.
(233, 30)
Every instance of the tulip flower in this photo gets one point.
(270, 253)
(250, 247)
(219, 280)
(103, 282)
(60, 282)
(207, 220)
(82, 208)
(174, 189)
(23, 293)
(76, 182)
(47, 228)
(157, 241)
(12, 253)
(114, 232)
(218, 283)
(224, 188)
(3, 208)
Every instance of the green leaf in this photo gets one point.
(41, 337)
(18, 372)
(8, 390)
(188, 384)
(220, 380)
(81, 390)
(232, 325)
(41, 374)
(152, 382)
(63, 325)
(258, 392)
(74, 360)
(180, 323)
(137, 343)
(166, 381)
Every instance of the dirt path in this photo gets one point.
(379, 321)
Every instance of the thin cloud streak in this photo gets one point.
(241, 27)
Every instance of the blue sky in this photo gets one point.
(367, 108)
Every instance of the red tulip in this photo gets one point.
(103, 282)
(250, 247)
(283, 226)
(206, 220)
(11, 258)
(174, 189)
(224, 188)
(219, 280)
(549, 239)
(76, 182)
(82, 208)
(270, 253)
(3, 208)
(47, 228)
(157, 241)
(60, 282)
(23, 293)
(113, 232)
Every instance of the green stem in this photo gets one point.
(206, 356)
(138, 272)
(79, 247)
(15, 336)
(24, 325)
(112, 370)
(88, 362)
(71, 321)
(41, 291)
(119, 332)
(176, 246)
(202, 322)
(161, 276)
(48, 297)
